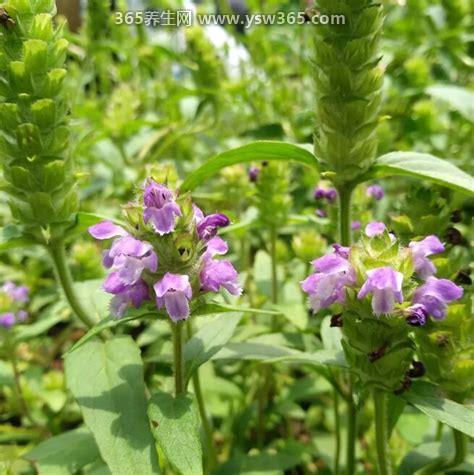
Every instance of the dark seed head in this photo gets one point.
(417, 370)
(336, 320)
(456, 216)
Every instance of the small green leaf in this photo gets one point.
(208, 341)
(424, 166)
(65, 453)
(427, 398)
(253, 152)
(106, 379)
(175, 422)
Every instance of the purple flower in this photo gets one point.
(127, 255)
(253, 174)
(385, 285)
(160, 208)
(18, 293)
(207, 226)
(21, 315)
(329, 194)
(216, 274)
(320, 213)
(7, 320)
(416, 315)
(319, 193)
(326, 286)
(435, 294)
(341, 250)
(375, 191)
(421, 250)
(125, 296)
(174, 291)
(375, 228)
(355, 225)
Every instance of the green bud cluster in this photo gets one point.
(272, 194)
(34, 136)
(447, 350)
(208, 71)
(348, 87)
(379, 350)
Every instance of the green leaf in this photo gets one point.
(65, 453)
(253, 152)
(424, 166)
(427, 398)
(106, 379)
(210, 338)
(176, 425)
(11, 237)
(458, 98)
(252, 351)
(213, 308)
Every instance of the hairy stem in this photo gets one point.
(345, 194)
(58, 254)
(178, 360)
(337, 425)
(273, 242)
(206, 421)
(381, 433)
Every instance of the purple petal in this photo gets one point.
(22, 315)
(385, 284)
(198, 214)
(253, 174)
(319, 193)
(376, 192)
(173, 282)
(7, 320)
(320, 213)
(207, 227)
(416, 315)
(156, 195)
(341, 251)
(177, 306)
(216, 274)
(106, 230)
(163, 219)
(114, 284)
(355, 225)
(215, 246)
(331, 195)
(375, 228)
(331, 263)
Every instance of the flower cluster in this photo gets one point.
(383, 289)
(12, 302)
(381, 269)
(167, 253)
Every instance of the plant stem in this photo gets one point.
(381, 433)
(337, 425)
(206, 421)
(177, 329)
(345, 194)
(440, 464)
(58, 254)
(273, 242)
(460, 452)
